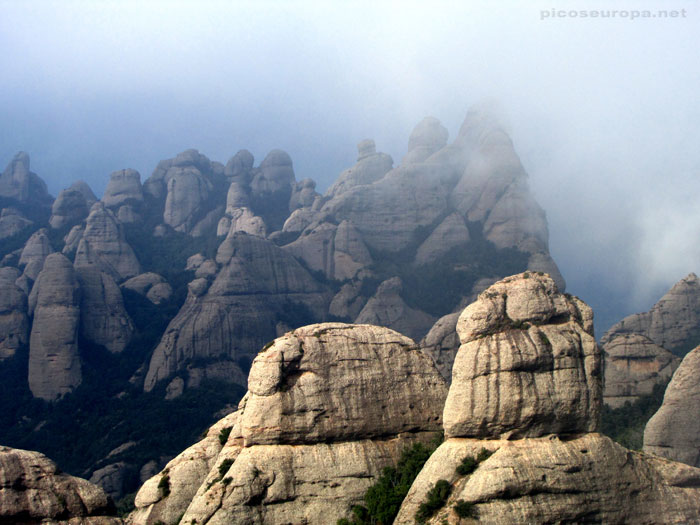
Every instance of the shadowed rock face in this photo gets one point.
(644, 349)
(33, 490)
(528, 364)
(674, 431)
(14, 322)
(328, 406)
(54, 363)
(69, 207)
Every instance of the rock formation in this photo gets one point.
(35, 251)
(14, 322)
(103, 319)
(21, 184)
(644, 349)
(387, 308)
(69, 208)
(103, 244)
(124, 195)
(12, 222)
(151, 285)
(33, 490)
(527, 387)
(674, 431)
(54, 364)
(238, 312)
(328, 406)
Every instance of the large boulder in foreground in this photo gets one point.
(524, 400)
(528, 364)
(674, 431)
(328, 407)
(33, 490)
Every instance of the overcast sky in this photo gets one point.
(604, 112)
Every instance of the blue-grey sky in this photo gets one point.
(604, 112)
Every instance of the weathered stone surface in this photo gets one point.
(18, 182)
(143, 282)
(187, 189)
(244, 220)
(113, 478)
(160, 293)
(428, 137)
(33, 490)
(637, 348)
(35, 251)
(186, 473)
(371, 166)
(674, 431)
(236, 315)
(528, 364)
(14, 322)
(84, 188)
(12, 222)
(72, 240)
(303, 194)
(103, 244)
(451, 233)
(103, 320)
(208, 269)
(54, 363)
(442, 344)
(348, 302)
(69, 207)
(207, 223)
(124, 187)
(275, 175)
(587, 479)
(387, 308)
(328, 382)
(239, 166)
(332, 405)
(633, 365)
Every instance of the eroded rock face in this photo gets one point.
(33, 490)
(19, 183)
(103, 244)
(428, 137)
(35, 251)
(644, 349)
(588, 479)
(12, 222)
(674, 431)
(238, 312)
(69, 207)
(103, 319)
(528, 364)
(371, 166)
(387, 308)
(14, 322)
(54, 363)
(323, 382)
(442, 343)
(329, 406)
(124, 187)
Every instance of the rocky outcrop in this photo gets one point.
(69, 208)
(527, 388)
(328, 407)
(103, 244)
(54, 363)
(151, 285)
(674, 431)
(34, 490)
(34, 253)
(103, 318)
(451, 233)
(12, 222)
(644, 349)
(523, 340)
(124, 195)
(258, 285)
(23, 185)
(428, 137)
(442, 343)
(14, 322)
(387, 308)
(371, 166)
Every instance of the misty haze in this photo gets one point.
(254, 253)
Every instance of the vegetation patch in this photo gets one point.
(626, 424)
(383, 499)
(470, 463)
(164, 486)
(465, 509)
(224, 434)
(435, 500)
